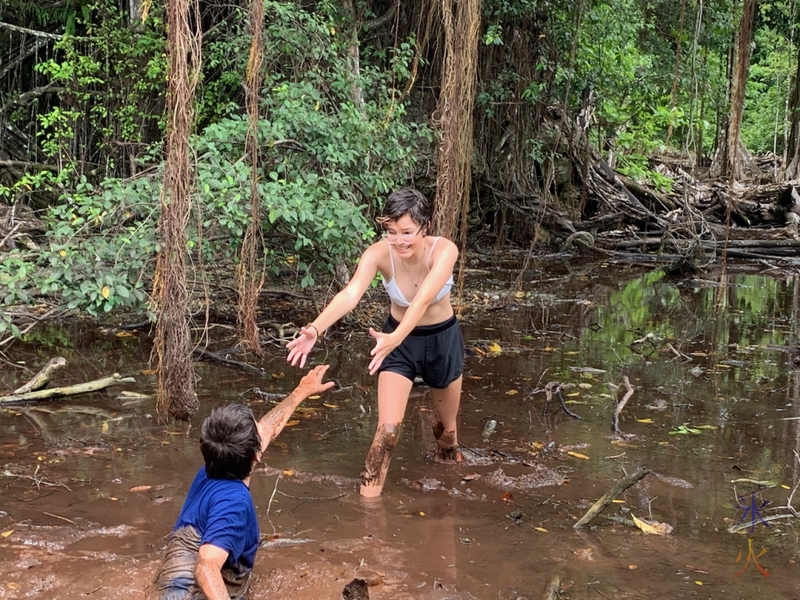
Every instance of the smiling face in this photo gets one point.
(404, 234)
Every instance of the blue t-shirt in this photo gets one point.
(223, 513)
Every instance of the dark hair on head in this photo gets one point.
(230, 442)
(409, 202)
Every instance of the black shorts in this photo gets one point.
(433, 352)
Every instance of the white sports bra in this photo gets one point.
(396, 294)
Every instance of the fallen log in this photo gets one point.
(70, 390)
(43, 377)
(609, 497)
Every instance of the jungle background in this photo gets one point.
(251, 144)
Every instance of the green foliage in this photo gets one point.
(325, 162)
(112, 88)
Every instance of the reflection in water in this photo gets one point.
(715, 415)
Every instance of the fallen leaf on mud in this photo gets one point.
(645, 421)
(508, 497)
(113, 499)
(512, 392)
(471, 477)
(618, 501)
(293, 422)
(326, 405)
(537, 445)
(124, 334)
(549, 349)
(12, 585)
(786, 487)
(141, 488)
(578, 455)
(519, 295)
(315, 397)
(573, 394)
(148, 371)
(542, 529)
(652, 527)
(583, 553)
(699, 582)
(287, 472)
(585, 386)
(494, 348)
(5, 534)
(633, 567)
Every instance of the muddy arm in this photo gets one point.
(272, 423)
(207, 571)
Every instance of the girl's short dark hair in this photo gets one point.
(230, 442)
(409, 202)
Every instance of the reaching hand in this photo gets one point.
(300, 346)
(311, 383)
(384, 345)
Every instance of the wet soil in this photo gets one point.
(90, 486)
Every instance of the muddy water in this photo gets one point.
(90, 486)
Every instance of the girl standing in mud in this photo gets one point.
(421, 336)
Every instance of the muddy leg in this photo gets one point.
(393, 390)
(445, 414)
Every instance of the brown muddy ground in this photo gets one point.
(91, 485)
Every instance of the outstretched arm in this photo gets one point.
(342, 303)
(271, 424)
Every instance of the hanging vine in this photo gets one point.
(249, 277)
(454, 112)
(173, 346)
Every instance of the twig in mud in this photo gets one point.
(678, 353)
(621, 403)
(44, 512)
(39, 481)
(322, 499)
(269, 505)
(748, 524)
(609, 496)
(554, 388)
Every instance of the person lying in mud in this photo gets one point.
(211, 550)
(421, 336)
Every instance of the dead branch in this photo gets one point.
(71, 390)
(234, 364)
(621, 402)
(609, 496)
(43, 377)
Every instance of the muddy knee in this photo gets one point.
(380, 453)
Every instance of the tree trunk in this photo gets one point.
(676, 72)
(732, 152)
(792, 161)
(173, 345)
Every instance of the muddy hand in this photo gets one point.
(311, 383)
(383, 346)
(301, 346)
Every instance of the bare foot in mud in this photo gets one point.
(448, 455)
